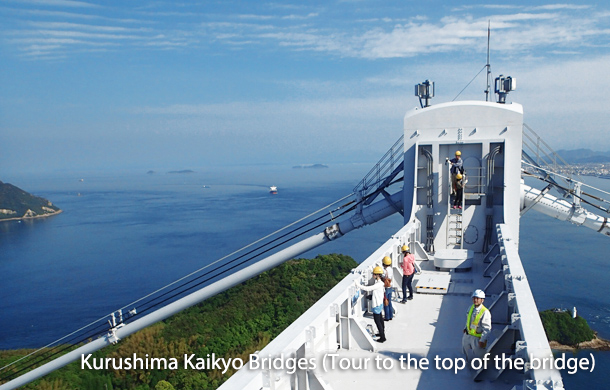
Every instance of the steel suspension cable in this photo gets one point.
(210, 278)
(103, 324)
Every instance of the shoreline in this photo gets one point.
(597, 344)
(29, 218)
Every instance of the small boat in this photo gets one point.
(273, 190)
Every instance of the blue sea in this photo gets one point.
(123, 235)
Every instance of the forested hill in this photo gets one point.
(16, 204)
(233, 324)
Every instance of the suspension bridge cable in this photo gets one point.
(240, 263)
(231, 261)
(67, 339)
(210, 278)
(233, 253)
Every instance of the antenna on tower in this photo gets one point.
(488, 90)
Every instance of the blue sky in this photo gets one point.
(176, 85)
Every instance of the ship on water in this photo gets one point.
(273, 190)
(460, 245)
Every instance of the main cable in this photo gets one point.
(95, 332)
(210, 278)
(103, 324)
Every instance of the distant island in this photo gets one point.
(182, 171)
(16, 204)
(314, 166)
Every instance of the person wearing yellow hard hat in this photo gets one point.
(460, 181)
(408, 271)
(387, 283)
(478, 327)
(457, 166)
(377, 301)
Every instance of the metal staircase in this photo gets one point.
(455, 226)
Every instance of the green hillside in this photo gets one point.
(16, 203)
(233, 324)
(561, 327)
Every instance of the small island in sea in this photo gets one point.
(16, 204)
(568, 331)
(182, 171)
(314, 166)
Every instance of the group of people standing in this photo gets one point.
(478, 318)
(477, 331)
(382, 289)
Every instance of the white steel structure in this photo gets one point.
(482, 255)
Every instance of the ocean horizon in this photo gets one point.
(122, 235)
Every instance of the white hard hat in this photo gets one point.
(478, 294)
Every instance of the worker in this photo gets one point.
(478, 327)
(408, 270)
(459, 190)
(457, 166)
(387, 283)
(377, 301)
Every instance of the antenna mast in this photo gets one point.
(488, 65)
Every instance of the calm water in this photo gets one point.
(124, 235)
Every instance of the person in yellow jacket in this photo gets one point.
(478, 327)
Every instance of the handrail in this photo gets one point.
(382, 169)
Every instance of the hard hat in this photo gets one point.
(478, 294)
(458, 153)
(387, 260)
(405, 248)
(378, 270)
(459, 176)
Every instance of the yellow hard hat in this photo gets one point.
(378, 270)
(458, 153)
(387, 260)
(459, 176)
(404, 248)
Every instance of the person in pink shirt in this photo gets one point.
(408, 270)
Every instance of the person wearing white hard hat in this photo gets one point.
(478, 327)
(377, 301)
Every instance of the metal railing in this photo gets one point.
(538, 153)
(539, 159)
(386, 165)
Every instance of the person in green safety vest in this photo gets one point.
(478, 327)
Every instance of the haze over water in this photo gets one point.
(124, 235)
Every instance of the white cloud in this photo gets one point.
(90, 27)
(301, 17)
(61, 3)
(560, 7)
(255, 17)
(564, 27)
